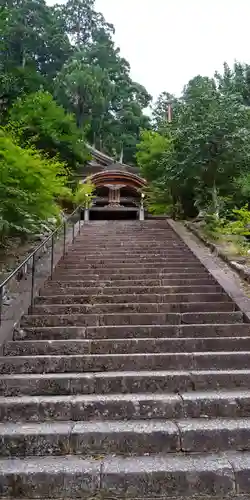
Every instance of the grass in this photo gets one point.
(234, 246)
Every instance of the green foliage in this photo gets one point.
(81, 21)
(95, 85)
(33, 47)
(150, 153)
(85, 194)
(241, 224)
(29, 188)
(39, 121)
(158, 202)
(68, 51)
(206, 156)
(212, 226)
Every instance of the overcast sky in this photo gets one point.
(167, 42)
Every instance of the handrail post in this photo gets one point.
(52, 256)
(33, 281)
(64, 237)
(80, 213)
(1, 303)
(73, 232)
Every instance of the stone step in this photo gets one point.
(123, 437)
(109, 239)
(133, 307)
(124, 242)
(121, 266)
(128, 234)
(123, 319)
(110, 282)
(128, 259)
(114, 249)
(131, 382)
(208, 360)
(130, 298)
(115, 382)
(134, 332)
(126, 256)
(129, 346)
(138, 254)
(167, 278)
(95, 438)
(204, 404)
(210, 477)
(143, 270)
(98, 292)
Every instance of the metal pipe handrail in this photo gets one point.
(32, 256)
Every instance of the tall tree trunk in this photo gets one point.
(215, 200)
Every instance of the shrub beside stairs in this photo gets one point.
(130, 379)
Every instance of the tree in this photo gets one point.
(34, 47)
(150, 153)
(214, 133)
(96, 86)
(81, 21)
(63, 83)
(83, 89)
(235, 81)
(40, 122)
(85, 194)
(210, 137)
(29, 187)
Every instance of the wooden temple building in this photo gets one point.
(119, 187)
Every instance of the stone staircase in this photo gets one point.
(130, 379)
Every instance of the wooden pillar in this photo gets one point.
(114, 194)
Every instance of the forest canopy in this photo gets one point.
(199, 161)
(63, 84)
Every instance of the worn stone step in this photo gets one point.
(134, 307)
(128, 236)
(130, 319)
(197, 435)
(123, 266)
(108, 239)
(187, 281)
(113, 382)
(122, 382)
(130, 270)
(212, 477)
(150, 244)
(127, 259)
(114, 362)
(128, 331)
(95, 407)
(123, 437)
(124, 241)
(129, 346)
(167, 278)
(95, 438)
(207, 360)
(57, 290)
(130, 298)
(81, 246)
(204, 404)
(138, 254)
